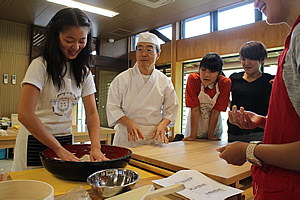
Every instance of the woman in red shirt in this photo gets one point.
(206, 93)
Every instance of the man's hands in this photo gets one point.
(136, 134)
(245, 119)
(159, 131)
(134, 131)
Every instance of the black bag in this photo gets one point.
(178, 137)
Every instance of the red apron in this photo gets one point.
(282, 126)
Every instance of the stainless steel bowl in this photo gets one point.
(109, 182)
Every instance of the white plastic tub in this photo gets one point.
(26, 189)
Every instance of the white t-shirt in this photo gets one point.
(54, 107)
(291, 69)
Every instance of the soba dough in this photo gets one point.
(85, 158)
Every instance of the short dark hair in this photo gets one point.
(213, 62)
(254, 50)
(62, 20)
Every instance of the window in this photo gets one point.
(229, 18)
(166, 31)
(196, 26)
(80, 113)
(264, 17)
(105, 79)
(185, 110)
(271, 69)
(188, 69)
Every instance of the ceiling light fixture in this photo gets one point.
(85, 7)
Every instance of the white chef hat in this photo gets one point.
(148, 37)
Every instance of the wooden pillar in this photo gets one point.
(176, 76)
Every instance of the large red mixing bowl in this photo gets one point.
(74, 170)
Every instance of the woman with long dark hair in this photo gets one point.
(53, 84)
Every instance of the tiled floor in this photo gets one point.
(6, 163)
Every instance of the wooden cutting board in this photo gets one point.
(200, 155)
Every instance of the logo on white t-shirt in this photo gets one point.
(64, 102)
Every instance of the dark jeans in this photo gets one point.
(252, 136)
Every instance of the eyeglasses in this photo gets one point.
(148, 50)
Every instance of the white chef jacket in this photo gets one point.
(144, 103)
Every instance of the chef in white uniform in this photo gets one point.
(142, 101)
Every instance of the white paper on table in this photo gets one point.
(198, 186)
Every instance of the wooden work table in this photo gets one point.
(80, 135)
(9, 140)
(200, 155)
(154, 162)
(62, 186)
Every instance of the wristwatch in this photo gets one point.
(250, 153)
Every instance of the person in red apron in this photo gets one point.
(276, 169)
(207, 93)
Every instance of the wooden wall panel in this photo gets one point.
(165, 56)
(229, 41)
(224, 42)
(14, 38)
(14, 60)
(132, 58)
